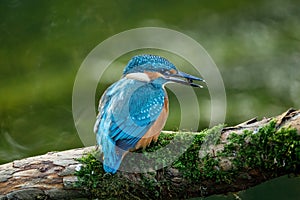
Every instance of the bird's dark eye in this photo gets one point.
(166, 72)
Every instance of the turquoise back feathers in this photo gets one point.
(133, 110)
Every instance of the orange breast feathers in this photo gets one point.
(154, 131)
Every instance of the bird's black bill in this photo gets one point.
(187, 79)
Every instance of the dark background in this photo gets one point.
(255, 44)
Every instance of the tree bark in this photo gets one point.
(51, 176)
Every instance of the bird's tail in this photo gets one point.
(112, 154)
(113, 161)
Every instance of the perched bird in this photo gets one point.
(133, 111)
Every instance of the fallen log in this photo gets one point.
(243, 157)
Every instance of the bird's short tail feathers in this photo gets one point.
(112, 161)
(113, 155)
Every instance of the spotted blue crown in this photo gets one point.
(154, 63)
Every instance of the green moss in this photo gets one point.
(163, 140)
(193, 168)
(267, 149)
(91, 177)
(162, 153)
(98, 184)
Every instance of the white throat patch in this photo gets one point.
(138, 76)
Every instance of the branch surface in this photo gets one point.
(51, 176)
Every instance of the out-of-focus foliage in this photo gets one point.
(255, 44)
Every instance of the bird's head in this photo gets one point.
(158, 70)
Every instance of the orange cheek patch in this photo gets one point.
(153, 75)
(173, 71)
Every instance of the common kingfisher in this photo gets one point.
(133, 110)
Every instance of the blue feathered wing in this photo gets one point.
(127, 110)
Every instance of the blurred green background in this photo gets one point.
(255, 44)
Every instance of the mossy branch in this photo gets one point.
(239, 157)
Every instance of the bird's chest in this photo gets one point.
(154, 131)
